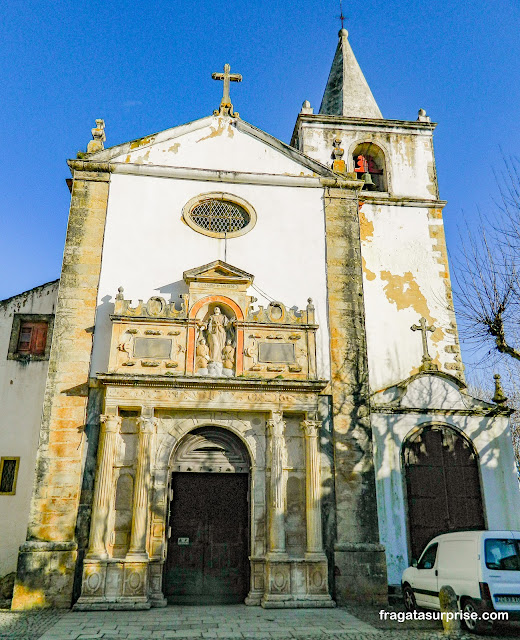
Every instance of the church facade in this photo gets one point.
(255, 391)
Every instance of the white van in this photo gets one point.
(482, 567)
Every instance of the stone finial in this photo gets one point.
(499, 397)
(422, 117)
(310, 311)
(306, 108)
(98, 137)
(338, 164)
(120, 294)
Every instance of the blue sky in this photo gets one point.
(145, 67)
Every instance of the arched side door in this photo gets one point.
(442, 483)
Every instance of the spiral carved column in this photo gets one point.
(276, 429)
(104, 485)
(142, 488)
(312, 487)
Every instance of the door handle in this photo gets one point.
(436, 572)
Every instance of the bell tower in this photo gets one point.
(387, 268)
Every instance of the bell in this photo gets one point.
(367, 178)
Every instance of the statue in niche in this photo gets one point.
(216, 332)
(202, 359)
(228, 359)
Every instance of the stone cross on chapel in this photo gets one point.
(427, 363)
(226, 108)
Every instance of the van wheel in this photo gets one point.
(409, 599)
(474, 626)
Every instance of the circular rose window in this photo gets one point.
(219, 215)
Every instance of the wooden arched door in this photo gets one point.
(208, 547)
(442, 483)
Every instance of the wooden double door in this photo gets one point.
(208, 548)
(443, 485)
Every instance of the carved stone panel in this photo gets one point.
(276, 352)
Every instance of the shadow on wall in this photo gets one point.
(451, 480)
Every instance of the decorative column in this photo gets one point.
(137, 550)
(312, 488)
(276, 428)
(104, 486)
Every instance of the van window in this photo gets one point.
(503, 554)
(428, 557)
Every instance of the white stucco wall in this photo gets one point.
(492, 440)
(21, 396)
(404, 279)
(147, 246)
(213, 143)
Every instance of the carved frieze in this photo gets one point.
(215, 332)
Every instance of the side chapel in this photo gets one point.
(254, 389)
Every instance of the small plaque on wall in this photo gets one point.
(152, 348)
(275, 352)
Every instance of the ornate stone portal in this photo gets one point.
(213, 363)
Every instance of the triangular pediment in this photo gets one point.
(215, 143)
(218, 272)
(430, 390)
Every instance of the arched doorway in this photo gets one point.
(442, 483)
(208, 547)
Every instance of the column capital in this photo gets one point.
(311, 428)
(276, 424)
(110, 423)
(147, 424)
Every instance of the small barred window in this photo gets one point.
(8, 473)
(219, 217)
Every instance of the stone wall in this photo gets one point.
(359, 558)
(47, 560)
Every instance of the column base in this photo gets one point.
(115, 584)
(296, 583)
(360, 573)
(84, 604)
(272, 602)
(45, 575)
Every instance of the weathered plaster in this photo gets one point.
(22, 384)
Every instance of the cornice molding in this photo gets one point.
(198, 382)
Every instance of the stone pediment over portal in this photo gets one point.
(218, 272)
(218, 279)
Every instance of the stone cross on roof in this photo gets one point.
(427, 363)
(226, 108)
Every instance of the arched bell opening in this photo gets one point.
(208, 544)
(442, 482)
(370, 166)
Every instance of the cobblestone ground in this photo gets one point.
(18, 625)
(231, 622)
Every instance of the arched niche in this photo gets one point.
(217, 344)
(370, 166)
(442, 479)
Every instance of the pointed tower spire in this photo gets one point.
(347, 92)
